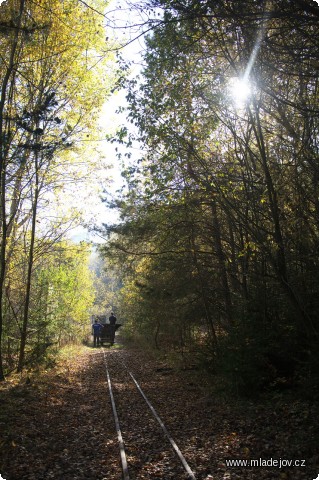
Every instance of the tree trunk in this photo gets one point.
(279, 259)
(24, 329)
(221, 259)
(10, 70)
(209, 318)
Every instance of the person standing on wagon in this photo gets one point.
(96, 331)
(112, 320)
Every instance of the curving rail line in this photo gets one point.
(124, 462)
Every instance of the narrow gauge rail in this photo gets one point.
(125, 385)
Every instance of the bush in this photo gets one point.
(253, 358)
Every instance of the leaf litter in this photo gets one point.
(60, 425)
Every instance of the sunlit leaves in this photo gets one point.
(56, 72)
(240, 160)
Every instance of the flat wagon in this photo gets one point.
(108, 333)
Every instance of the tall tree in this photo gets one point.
(243, 161)
(54, 55)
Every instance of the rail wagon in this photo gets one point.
(108, 333)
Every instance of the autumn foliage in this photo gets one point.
(219, 232)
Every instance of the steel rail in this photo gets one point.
(155, 414)
(117, 425)
(172, 442)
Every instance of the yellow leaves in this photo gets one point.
(66, 49)
(250, 248)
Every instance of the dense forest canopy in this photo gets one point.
(216, 250)
(218, 240)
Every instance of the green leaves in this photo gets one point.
(220, 202)
(56, 74)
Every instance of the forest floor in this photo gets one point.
(59, 425)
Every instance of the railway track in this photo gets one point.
(147, 448)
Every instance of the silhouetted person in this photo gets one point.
(112, 320)
(96, 330)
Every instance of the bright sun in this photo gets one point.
(240, 90)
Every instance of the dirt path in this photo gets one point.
(61, 426)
